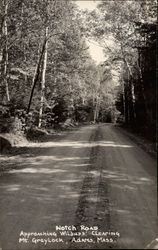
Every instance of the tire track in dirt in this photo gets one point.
(94, 205)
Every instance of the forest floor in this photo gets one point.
(94, 175)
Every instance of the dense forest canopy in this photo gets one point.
(47, 75)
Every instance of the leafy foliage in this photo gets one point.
(74, 87)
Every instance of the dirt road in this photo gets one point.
(94, 177)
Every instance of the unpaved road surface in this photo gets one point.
(93, 176)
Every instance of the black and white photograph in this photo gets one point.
(78, 124)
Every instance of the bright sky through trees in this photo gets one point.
(90, 5)
(95, 50)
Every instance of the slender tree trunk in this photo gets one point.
(43, 79)
(5, 50)
(131, 95)
(96, 110)
(130, 99)
(142, 86)
(124, 100)
(36, 75)
(95, 115)
(126, 104)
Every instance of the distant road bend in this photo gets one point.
(94, 176)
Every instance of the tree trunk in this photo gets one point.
(43, 78)
(36, 75)
(124, 101)
(131, 95)
(130, 98)
(5, 50)
(126, 104)
(142, 87)
(95, 115)
(96, 110)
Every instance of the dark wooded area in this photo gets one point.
(49, 80)
(137, 102)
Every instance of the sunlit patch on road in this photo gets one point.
(38, 170)
(78, 144)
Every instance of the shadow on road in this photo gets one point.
(78, 181)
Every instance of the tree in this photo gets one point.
(119, 20)
(49, 67)
(4, 36)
